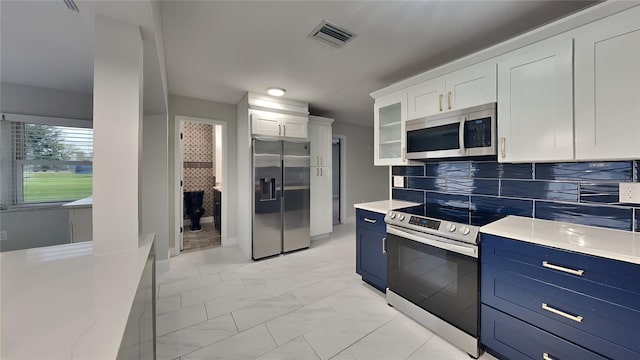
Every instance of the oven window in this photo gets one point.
(442, 282)
(444, 137)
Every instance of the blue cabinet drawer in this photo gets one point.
(371, 261)
(513, 339)
(606, 279)
(370, 220)
(605, 327)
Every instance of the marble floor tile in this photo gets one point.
(264, 310)
(236, 301)
(296, 349)
(319, 290)
(180, 319)
(214, 291)
(248, 344)
(289, 326)
(180, 286)
(396, 339)
(168, 304)
(195, 337)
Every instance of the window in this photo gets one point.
(51, 163)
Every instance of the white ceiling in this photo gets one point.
(218, 50)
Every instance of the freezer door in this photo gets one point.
(267, 194)
(296, 196)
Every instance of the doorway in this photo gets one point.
(336, 156)
(200, 174)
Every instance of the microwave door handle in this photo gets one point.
(463, 151)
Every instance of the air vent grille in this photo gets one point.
(71, 5)
(331, 34)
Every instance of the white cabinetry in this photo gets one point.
(390, 114)
(607, 88)
(535, 103)
(320, 135)
(473, 85)
(275, 124)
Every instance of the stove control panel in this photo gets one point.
(428, 223)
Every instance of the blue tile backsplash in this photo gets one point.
(483, 191)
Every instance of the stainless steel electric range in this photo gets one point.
(432, 274)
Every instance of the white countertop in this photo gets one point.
(62, 302)
(86, 202)
(384, 205)
(608, 243)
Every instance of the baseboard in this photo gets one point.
(162, 265)
(321, 236)
(230, 242)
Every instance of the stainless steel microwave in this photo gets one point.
(466, 132)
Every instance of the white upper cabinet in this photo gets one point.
(320, 141)
(535, 103)
(390, 114)
(607, 88)
(281, 125)
(473, 85)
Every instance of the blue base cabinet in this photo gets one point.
(371, 261)
(539, 300)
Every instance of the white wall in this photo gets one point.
(186, 106)
(245, 178)
(154, 179)
(218, 153)
(117, 118)
(33, 100)
(364, 182)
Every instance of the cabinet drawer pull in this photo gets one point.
(449, 99)
(562, 313)
(384, 245)
(546, 356)
(440, 101)
(563, 269)
(372, 221)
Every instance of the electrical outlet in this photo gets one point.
(3, 235)
(629, 193)
(398, 181)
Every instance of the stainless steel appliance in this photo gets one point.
(432, 274)
(281, 176)
(465, 132)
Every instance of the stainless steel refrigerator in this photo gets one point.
(280, 197)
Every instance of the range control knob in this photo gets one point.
(401, 217)
(451, 228)
(392, 215)
(465, 230)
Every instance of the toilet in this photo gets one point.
(193, 208)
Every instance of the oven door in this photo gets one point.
(435, 274)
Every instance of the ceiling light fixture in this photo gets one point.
(275, 91)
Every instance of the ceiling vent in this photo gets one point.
(71, 5)
(331, 34)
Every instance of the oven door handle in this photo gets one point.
(468, 250)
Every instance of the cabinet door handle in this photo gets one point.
(320, 171)
(575, 318)
(440, 101)
(372, 221)
(384, 245)
(404, 154)
(563, 269)
(546, 356)
(449, 99)
(284, 130)
(279, 129)
(317, 171)
(503, 141)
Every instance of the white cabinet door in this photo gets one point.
(426, 99)
(265, 123)
(471, 86)
(607, 90)
(294, 126)
(321, 220)
(535, 103)
(390, 114)
(320, 144)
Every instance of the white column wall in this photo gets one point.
(117, 113)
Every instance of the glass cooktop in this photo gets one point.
(458, 215)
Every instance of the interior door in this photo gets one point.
(181, 186)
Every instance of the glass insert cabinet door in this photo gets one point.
(390, 114)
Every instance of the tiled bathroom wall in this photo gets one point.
(199, 161)
(581, 193)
